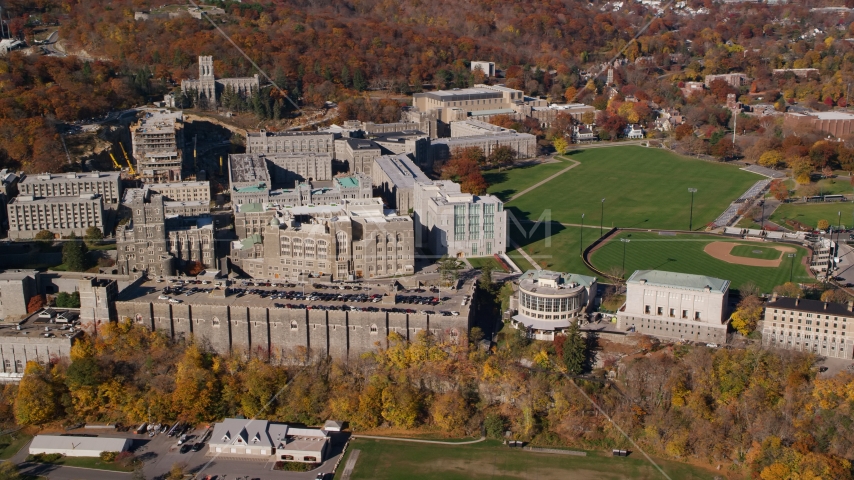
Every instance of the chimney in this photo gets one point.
(797, 300)
(774, 297)
(825, 305)
(850, 306)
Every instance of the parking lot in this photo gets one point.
(161, 452)
(360, 297)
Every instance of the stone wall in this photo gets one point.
(280, 334)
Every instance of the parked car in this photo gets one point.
(164, 297)
(175, 300)
(186, 448)
(198, 446)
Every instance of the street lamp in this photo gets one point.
(601, 217)
(691, 218)
(581, 237)
(625, 242)
(838, 230)
(762, 217)
(792, 268)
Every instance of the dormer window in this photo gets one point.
(226, 438)
(256, 439)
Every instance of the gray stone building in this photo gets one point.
(8, 191)
(394, 176)
(477, 128)
(248, 178)
(413, 143)
(250, 325)
(208, 89)
(182, 191)
(287, 169)
(43, 337)
(290, 142)
(73, 184)
(358, 154)
(153, 242)
(448, 222)
(355, 239)
(29, 215)
(821, 328)
(16, 289)
(524, 144)
(97, 300)
(158, 146)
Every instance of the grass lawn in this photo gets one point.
(90, 462)
(643, 187)
(811, 213)
(10, 444)
(825, 186)
(755, 251)
(481, 262)
(506, 183)
(558, 251)
(390, 460)
(684, 253)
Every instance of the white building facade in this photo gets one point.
(822, 328)
(675, 306)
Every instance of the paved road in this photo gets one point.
(55, 472)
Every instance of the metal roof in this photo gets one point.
(687, 281)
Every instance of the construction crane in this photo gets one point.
(130, 165)
(115, 162)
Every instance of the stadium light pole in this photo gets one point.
(792, 268)
(581, 237)
(625, 242)
(601, 218)
(691, 217)
(838, 229)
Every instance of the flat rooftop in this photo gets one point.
(48, 324)
(70, 199)
(360, 144)
(71, 176)
(248, 168)
(461, 94)
(554, 283)
(160, 121)
(264, 133)
(660, 278)
(398, 137)
(401, 170)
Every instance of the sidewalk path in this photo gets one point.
(524, 254)
(540, 183)
(415, 440)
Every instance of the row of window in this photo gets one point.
(671, 312)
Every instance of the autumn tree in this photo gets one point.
(771, 159)
(822, 224)
(93, 236)
(573, 350)
(36, 303)
(779, 189)
(502, 155)
(789, 289)
(36, 401)
(835, 295)
(450, 411)
(747, 315)
(561, 145)
(45, 237)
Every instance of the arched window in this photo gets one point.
(215, 322)
(294, 325)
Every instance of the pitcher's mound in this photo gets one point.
(721, 251)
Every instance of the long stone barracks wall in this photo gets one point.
(286, 335)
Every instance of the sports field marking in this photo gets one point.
(540, 183)
(722, 251)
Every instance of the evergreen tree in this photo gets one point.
(74, 254)
(574, 350)
(345, 76)
(359, 82)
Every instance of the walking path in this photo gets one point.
(540, 183)
(351, 464)
(415, 440)
(524, 254)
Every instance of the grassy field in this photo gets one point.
(755, 251)
(824, 186)
(506, 183)
(811, 213)
(481, 262)
(390, 460)
(643, 187)
(558, 251)
(10, 444)
(84, 462)
(684, 253)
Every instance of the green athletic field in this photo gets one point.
(753, 251)
(559, 251)
(642, 187)
(684, 253)
(506, 183)
(489, 460)
(811, 213)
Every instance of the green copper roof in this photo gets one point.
(660, 278)
(250, 241)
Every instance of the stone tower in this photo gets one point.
(97, 301)
(207, 83)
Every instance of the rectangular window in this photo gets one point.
(660, 310)
(684, 313)
(696, 315)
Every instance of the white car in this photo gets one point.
(164, 297)
(175, 300)
(712, 345)
(456, 314)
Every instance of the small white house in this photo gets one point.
(72, 446)
(266, 441)
(634, 131)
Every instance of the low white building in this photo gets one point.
(266, 441)
(634, 132)
(72, 446)
(675, 306)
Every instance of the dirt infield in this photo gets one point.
(721, 251)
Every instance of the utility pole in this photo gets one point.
(792, 268)
(581, 237)
(734, 122)
(692, 191)
(625, 242)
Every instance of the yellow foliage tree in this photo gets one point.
(747, 315)
(35, 403)
(561, 145)
(450, 411)
(771, 159)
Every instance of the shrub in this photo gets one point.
(295, 466)
(108, 456)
